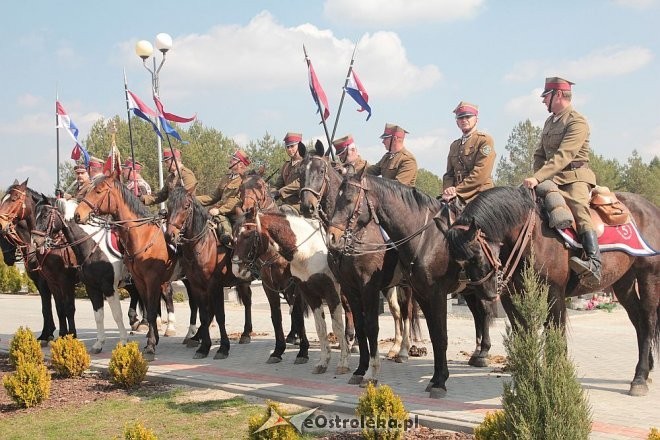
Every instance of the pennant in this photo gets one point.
(141, 110)
(167, 128)
(356, 90)
(170, 116)
(112, 163)
(64, 121)
(317, 92)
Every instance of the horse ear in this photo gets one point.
(25, 183)
(302, 149)
(15, 182)
(320, 149)
(473, 230)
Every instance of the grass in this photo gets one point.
(169, 415)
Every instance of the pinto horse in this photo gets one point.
(207, 265)
(302, 244)
(16, 223)
(492, 223)
(421, 245)
(100, 271)
(146, 254)
(363, 273)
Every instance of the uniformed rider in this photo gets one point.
(398, 163)
(348, 154)
(187, 178)
(131, 173)
(287, 185)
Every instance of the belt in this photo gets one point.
(575, 165)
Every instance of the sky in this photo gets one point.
(239, 66)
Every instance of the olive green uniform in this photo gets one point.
(189, 183)
(563, 157)
(226, 199)
(82, 190)
(288, 183)
(470, 165)
(359, 165)
(400, 166)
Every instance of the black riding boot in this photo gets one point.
(589, 269)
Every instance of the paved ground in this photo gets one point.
(602, 345)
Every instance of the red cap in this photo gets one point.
(137, 166)
(167, 154)
(464, 109)
(242, 156)
(556, 83)
(80, 168)
(292, 138)
(95, 162)
(342, 144)
(393, 130)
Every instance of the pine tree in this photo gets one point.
(519, 162)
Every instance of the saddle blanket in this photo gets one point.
(114, 244)
(624, 238)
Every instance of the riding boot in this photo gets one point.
(589, 269)
(223, 227)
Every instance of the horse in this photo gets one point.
(146, 253)
(364, 273)
(207, 265)
(100, 270)
(492, 223)
(16, 223)
(421, 246)
(302, 244)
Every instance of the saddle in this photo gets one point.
(610, 210)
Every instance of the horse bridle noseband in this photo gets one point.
(20, 212)
(96, 208)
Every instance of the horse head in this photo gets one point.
(101, 198)
(249, 245)
(353, 210)
(49, 220)
(315, 176)
(15, 205)
(255, 195)
(180, 205)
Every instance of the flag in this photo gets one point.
(169, 129)
(112, 163)
(356, 91)
(141, 110)
(317, 92)
(170, 116)
(64, 121)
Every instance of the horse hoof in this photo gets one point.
(149, 356)
(342, 370)
(192, 343)
(638, 390)
(301, 360)
(355, 349)
(221, 355)
(355, 380)
(319, 369)
(428, 388)
(274, 360)
(169, 333)
(142, 328)
(185, 341)
(245, 339)
(96, 350)
(438, 393)
(649, 381)
(478, 362)
(293, 341)
(401, 359)
(391, 354)
(200, 355)
(365, 382)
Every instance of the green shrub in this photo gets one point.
(80, 291)
(123, 293)
(492, 428)
(381, 404)
(179, 297)
(28, 283)
(25, 343)
(29, 385)
(12, 280)
(127, 366)
(281, 432)
(137, 431)
(69, 356)
(654, 434)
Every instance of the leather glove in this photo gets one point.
(213, 212)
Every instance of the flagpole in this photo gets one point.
(57, 138)
(318, 105)
(343, 94)
(130, 136)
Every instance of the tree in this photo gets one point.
(608, 171)
(519, 162)
(642, 179)
(428, 183)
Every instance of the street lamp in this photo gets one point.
(145, 50)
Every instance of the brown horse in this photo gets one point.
(146, 253)
(489, 227)
(207, 265)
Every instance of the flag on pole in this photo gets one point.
(170, 116)
(317, 92)
(64, 121)
(141, 110)
(356, 90)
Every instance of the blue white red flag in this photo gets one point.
(64, 121)
(356, 90)
(167, 128)
(170, 116)
(317, 92)
(141, 110)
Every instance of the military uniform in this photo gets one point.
(189, 183)
(81, 191)
(400, 166)
(288, 183)
(470, 165)
(143, 187)
(359, 165)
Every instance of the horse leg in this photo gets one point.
(45, 295)
(114, 301)
(359, 321)
(437, 315)
(168, 297)
(152, 300)
(298, 321)
(371, 304)
(482, 315)
(70, 302)
(395, 310)
(133, 320)
(192, 323)
(97, 305)
(349, 324)
(276, 318)
(338, 328)
(204, 322)
(322, 333)
(245, 297)
(219, 310)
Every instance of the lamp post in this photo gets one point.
(145, 50)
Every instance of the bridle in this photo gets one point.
(324, 185)
(97, 207)
(18, 207)
(258, 198)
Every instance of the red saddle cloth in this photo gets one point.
(625, 237)
(114, 244)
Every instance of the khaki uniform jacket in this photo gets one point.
(470, 165)
(400, 166)
(563, 141)
(82, 190)
(226, 197)
(288, 183)
(189, 183)
(359, 165)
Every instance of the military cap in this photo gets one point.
(556, 83)
(464, 109)
(95, 162)
(167, 154)
(241, 156)
(393, 130)
(342, 144)
(80, 168)
(137, 166)
(292, 138)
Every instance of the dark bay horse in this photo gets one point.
(362, 273)
(492, 223)
(101, 272)
(207, 265)
(146, 254)
(406, 215)
(16, 223)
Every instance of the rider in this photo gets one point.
(226, 197)
(133, 180)
(187, 178)
(287, 186)
(563, 157)
(82, 183)
(471, 158)
(398, 163)
(95, 167)
(347, 153)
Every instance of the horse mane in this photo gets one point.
(177, 197)
(409, 195)
(498, 210)
(134, 204)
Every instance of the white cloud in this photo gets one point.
(394, 13)
(524, 71)
(265, 56)
(637, 4)
(28, 100)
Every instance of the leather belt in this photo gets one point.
(575, 165)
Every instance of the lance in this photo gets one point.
(341, 102)
(57, 137)
(130, 135)
(318, 102)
